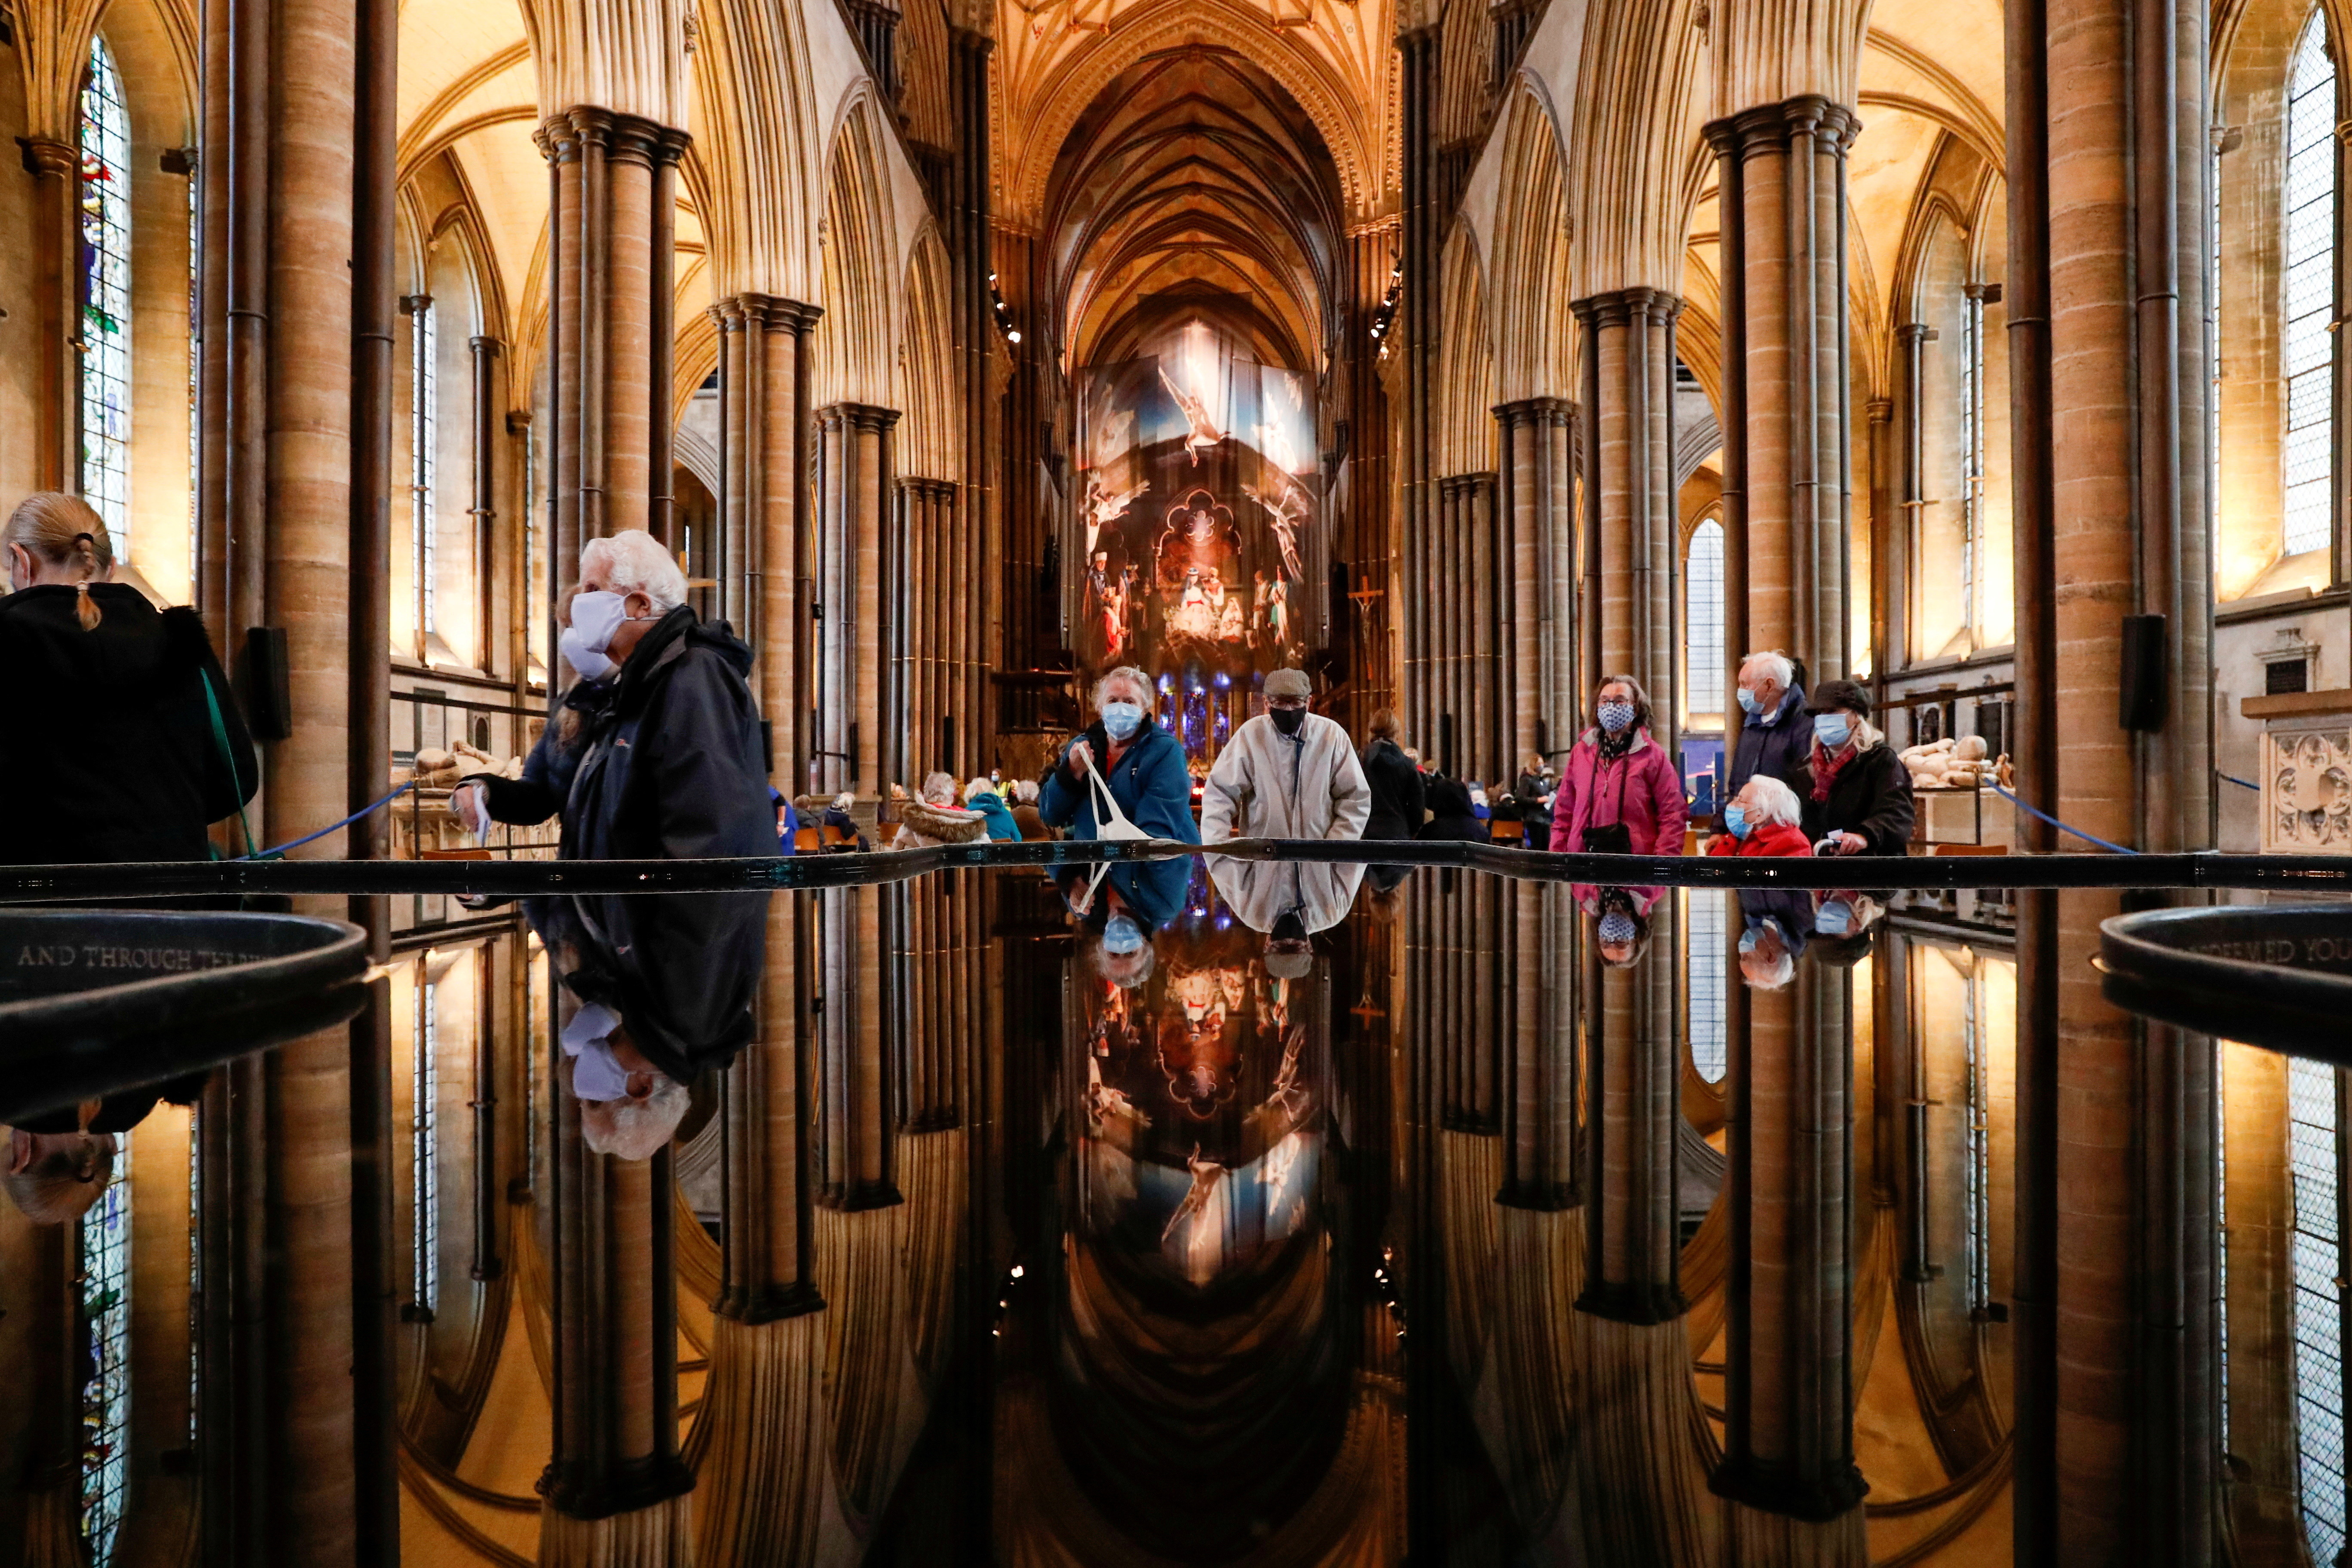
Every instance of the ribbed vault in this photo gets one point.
(1193, 185)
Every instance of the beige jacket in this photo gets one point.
(1265, 785)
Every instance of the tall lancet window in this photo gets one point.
(105, 1324)
(424, 418)
(1702, 655)
(105, 290)
(2308, 301)
(425, 1281)
(2314, 1142)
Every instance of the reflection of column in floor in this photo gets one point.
(2116, 1451)
(756, 1446)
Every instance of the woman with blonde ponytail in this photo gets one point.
(118, 740)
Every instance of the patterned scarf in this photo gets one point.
(1826, 768)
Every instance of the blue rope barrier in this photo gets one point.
(364, 811)
(2085, 837)
(2236, 780)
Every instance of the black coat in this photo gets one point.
(110, 754)
(667, 766)
(1872, 796)
(1399, 797)
(1450, 813)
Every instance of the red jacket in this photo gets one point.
(1653, 812)
(1768, 838)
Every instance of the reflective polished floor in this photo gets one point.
(1200, 1211)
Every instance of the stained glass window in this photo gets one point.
(2308, 302)
(2312, 1146)
(106, 297)
(105, 1322)
(1702, 619)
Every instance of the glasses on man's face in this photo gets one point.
(1285, 702)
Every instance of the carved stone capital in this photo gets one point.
(47, 158)
(856, 417)
(1770, 128)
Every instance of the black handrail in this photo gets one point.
(522, 878)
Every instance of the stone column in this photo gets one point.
(1540, 1088)
(854, 462)
(1629, 348)
(2116, 1462)
(1782, 170)
(763, 505)
(1789, 1440)
(610, 258)
(56, 168)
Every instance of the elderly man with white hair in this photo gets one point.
(1774, 733)
(653, 754)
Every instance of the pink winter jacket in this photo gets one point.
(1654, 811)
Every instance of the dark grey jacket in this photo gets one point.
(666, 766)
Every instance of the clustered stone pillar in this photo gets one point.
(294, 1439)
(854, 485)
(754, 1442)
(611, 251)
(56, 167)
(615, 1485)
(855, 491)
(934, 659)
(1787, 1463)
(2116, 1338)
(1540, 1078)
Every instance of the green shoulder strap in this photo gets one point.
(228, 758)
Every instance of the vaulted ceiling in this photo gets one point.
(1193, 185)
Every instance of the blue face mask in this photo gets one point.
(1748, 703)
(1615, 716)
(1834, 918)
(1833, 730)
(1122, 935)
(1747, 939)
(1617, 926)
(1735, 817)
(1121, 719)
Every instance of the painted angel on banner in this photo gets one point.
(1284, 513)
(1105, 507)
(1204, 432)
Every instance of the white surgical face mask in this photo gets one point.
(587, 1040)
(1121, 719)
(596, 616)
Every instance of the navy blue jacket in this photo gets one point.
(1150, 784)
(1771, 749)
